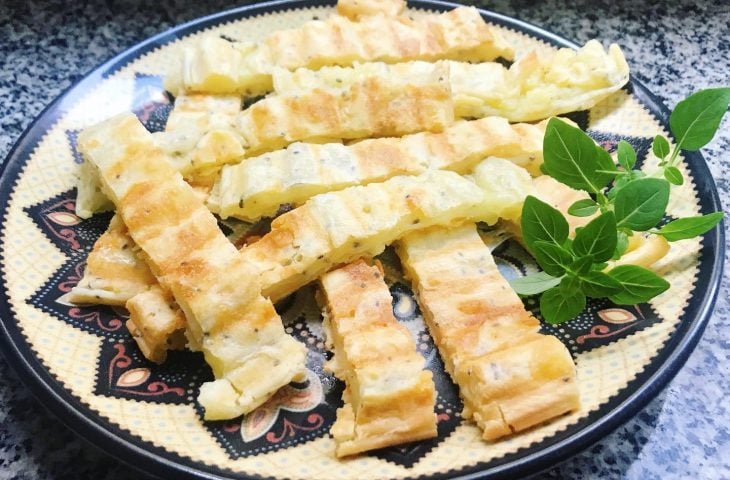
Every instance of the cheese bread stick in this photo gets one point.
(237, 329)
(215, 65)
(535, 87)
(509, 376)
(258, 186)
(389, 396)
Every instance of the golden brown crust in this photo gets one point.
(489, 342)
(390, 397)
(371, 107)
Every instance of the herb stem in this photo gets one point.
(673, 158)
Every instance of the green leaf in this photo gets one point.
(551, 257)
(599, 266)
(605, 163)
(534, 283)
(560, 304)
(660, 146)
(641, 203)
(572, 157)
(570, 284)
(599, 285)
(638, 284)
(583, 208)
(623, 181)
(626, 155)
(695, 119)
(674, 176)
(622, 243)
(582, 265)
(541, 222)
(689, 227)
(597, 238)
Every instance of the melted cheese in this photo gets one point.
(537, 87)
(510, 376)
(643, 250)
(389, 397)
(505, 187)
(215, 65)
(89, 197)
(236, 328)
(258, 186)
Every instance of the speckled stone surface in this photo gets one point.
(674, 47)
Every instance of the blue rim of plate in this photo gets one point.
(526, 461)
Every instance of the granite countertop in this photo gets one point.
(674, 47)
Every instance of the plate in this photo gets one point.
(83, 365)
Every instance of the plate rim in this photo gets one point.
(155, 460)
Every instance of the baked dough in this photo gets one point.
(389, 397)
(510, 376)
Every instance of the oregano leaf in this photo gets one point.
(641, 203)
(638, 284)
(581, 266)
(597, 284)
(541, 222)
(673, 175)
(660, 146)
(626, 155)
(622, 243)
(597, 238)
(552, 258)
(689, 227)
(583, 208)
(534, 283)
(695, 119)
(571, 157)
(558, 304)
(622, 181)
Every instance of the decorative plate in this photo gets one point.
(85, 366)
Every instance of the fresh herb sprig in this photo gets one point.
(626, 200)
